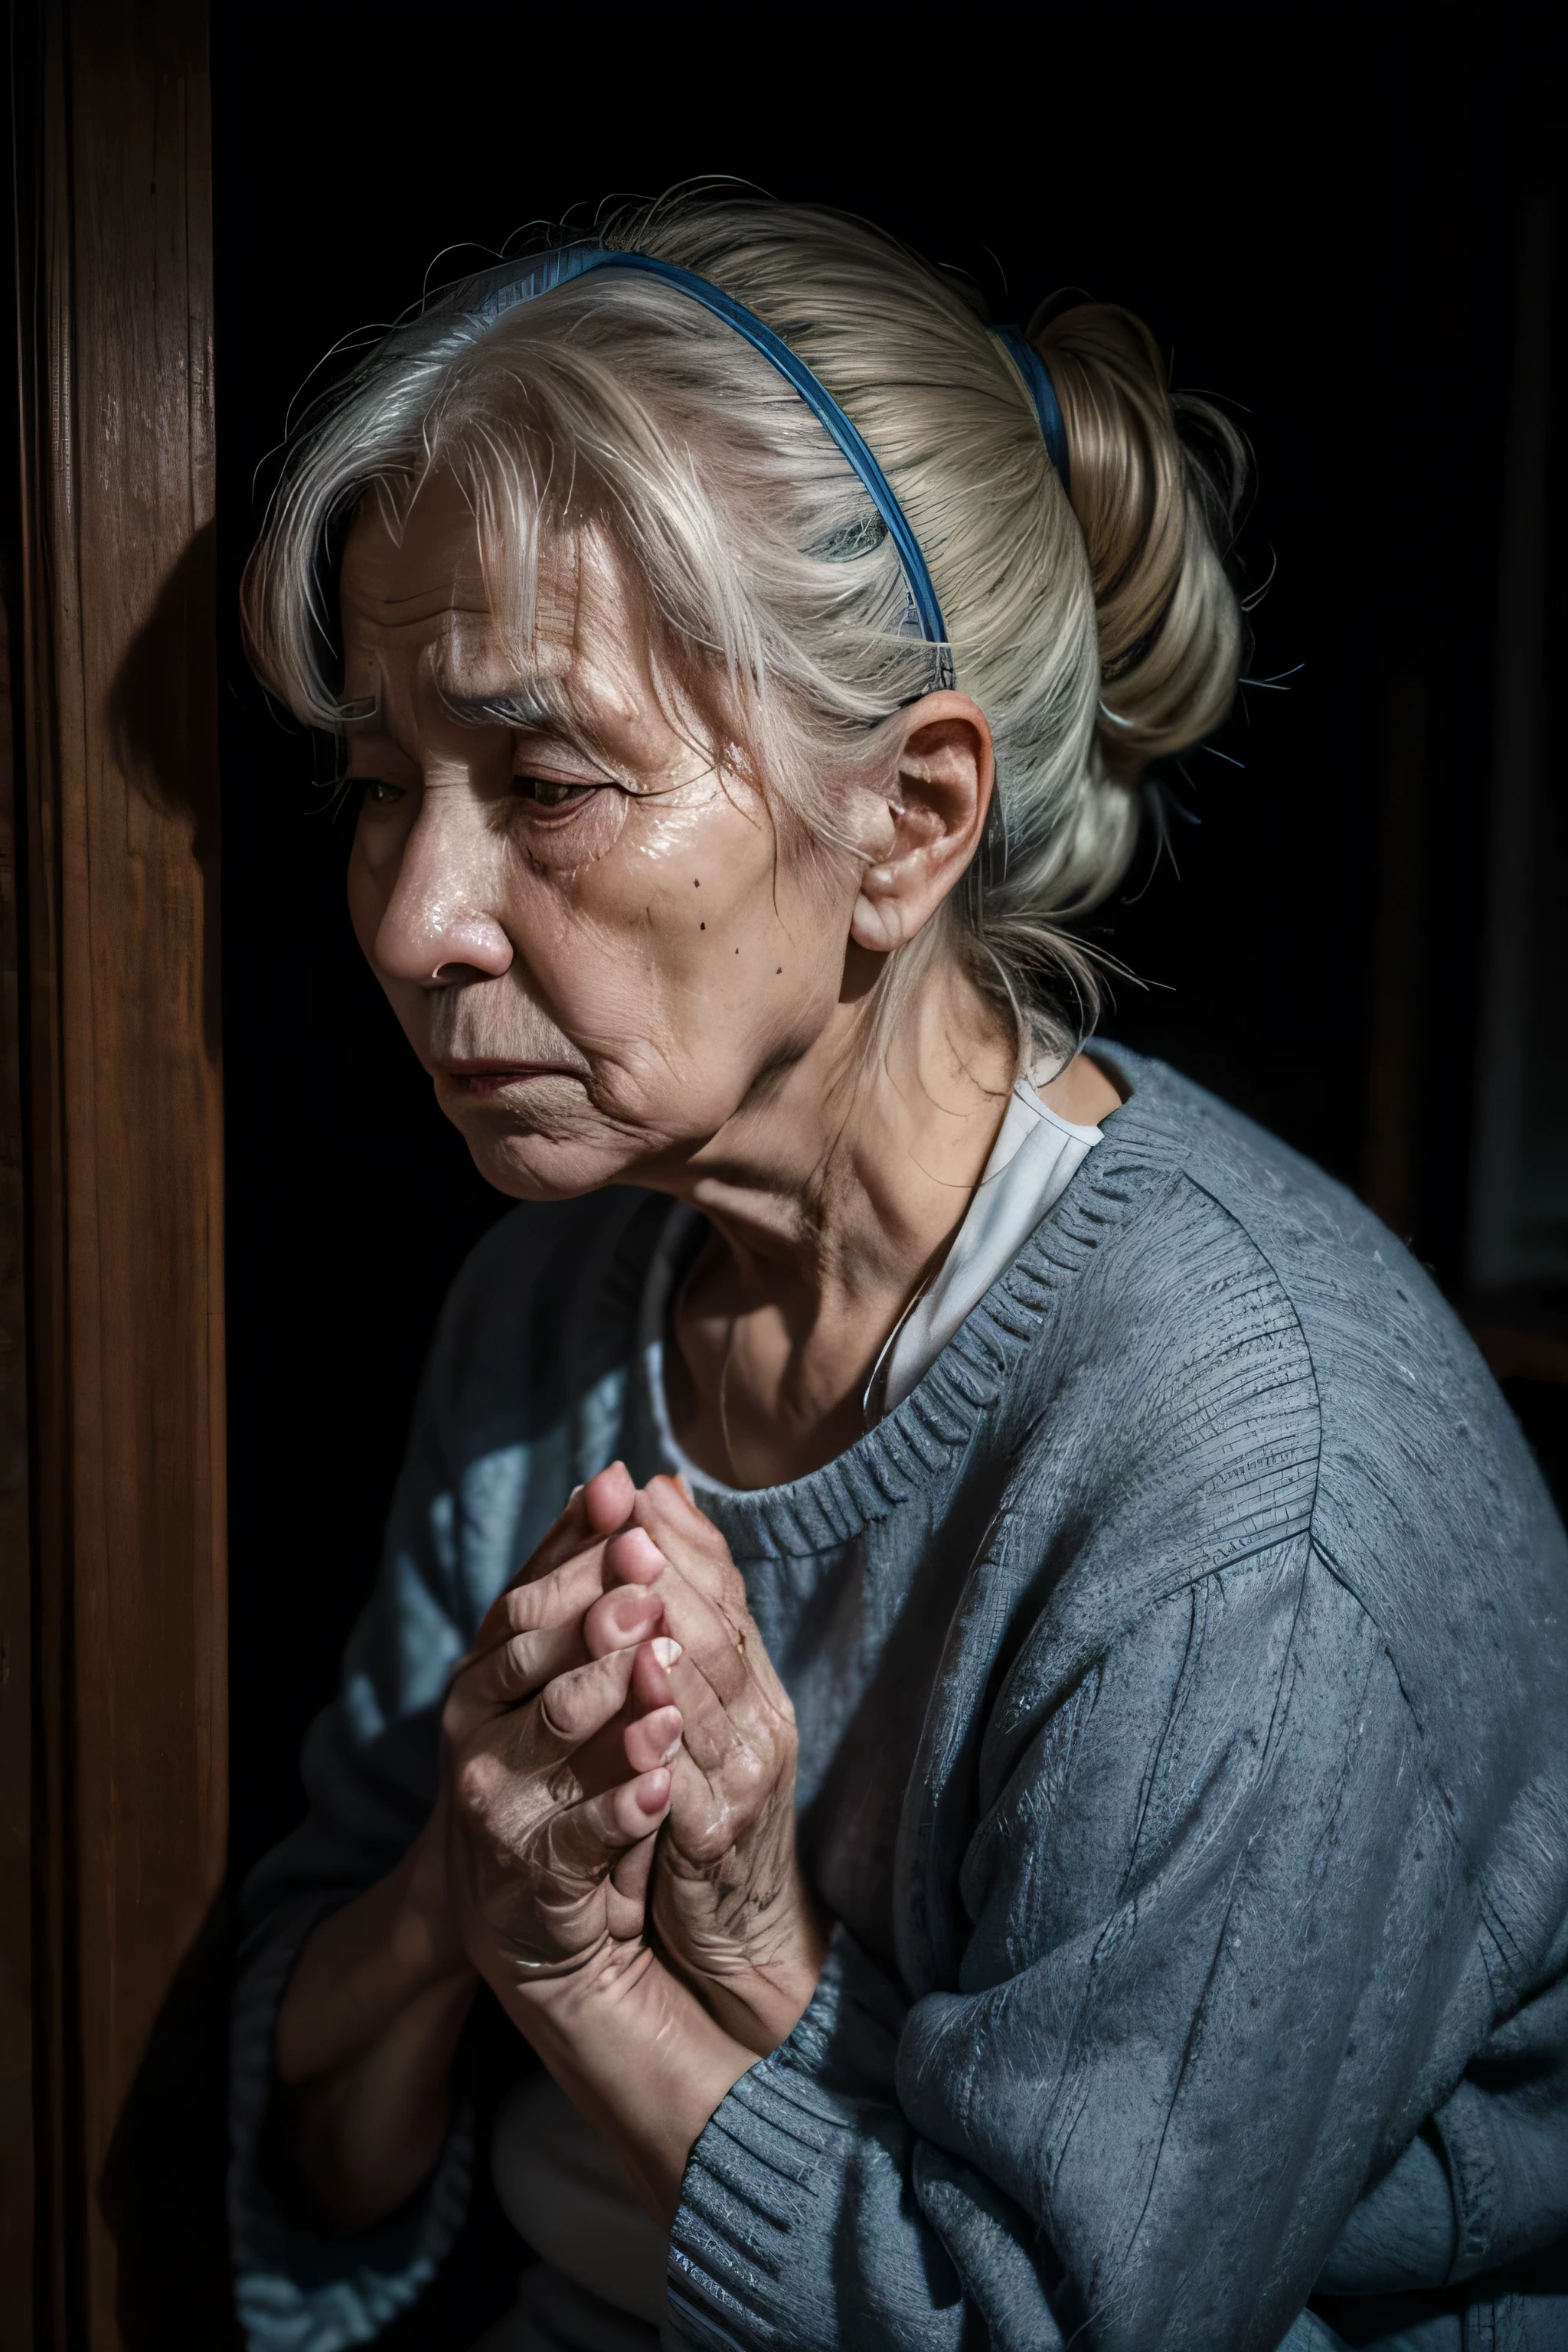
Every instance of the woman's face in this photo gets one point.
(597, 944)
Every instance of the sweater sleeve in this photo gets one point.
(370, 1767)
(1206, 1907)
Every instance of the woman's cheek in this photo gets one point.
(643, 904)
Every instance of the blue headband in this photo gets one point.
(557, 268)
(1043, 393)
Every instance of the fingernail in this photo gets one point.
(666, 1652)
(646, 1799)
(673, 1749)
(573, 1495)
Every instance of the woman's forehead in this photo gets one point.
(419, 592)
(400, 568)
(425, 556)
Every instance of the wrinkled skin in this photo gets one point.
(549, 1842)
(591, 942)
(631, 1655)
(728, 1899)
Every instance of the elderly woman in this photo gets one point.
(965, 1645)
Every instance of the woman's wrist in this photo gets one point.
(366, 2034)
(639, 2056)
(364, 2136)
(425, 1934)
(761, 2005)
(758, 1988)
(363, 1966)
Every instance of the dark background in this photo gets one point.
(1328, 220)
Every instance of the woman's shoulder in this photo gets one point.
(1294, 1361)
(1371, 1318)
(1275, 1194)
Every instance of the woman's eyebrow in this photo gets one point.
(526, 704)
(533, 707)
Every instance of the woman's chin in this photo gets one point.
(528, 1165)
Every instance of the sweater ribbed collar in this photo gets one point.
(918, 1444)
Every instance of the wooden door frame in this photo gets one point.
(113, 1697)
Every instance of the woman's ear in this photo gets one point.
(937, 811)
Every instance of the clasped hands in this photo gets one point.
(617, 1787)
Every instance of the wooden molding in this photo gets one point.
(17, 2138)
(115, 674)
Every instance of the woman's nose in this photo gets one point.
(442, 923)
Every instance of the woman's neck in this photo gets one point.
(832, 1195)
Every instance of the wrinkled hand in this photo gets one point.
(558, 1733)
(570, 1738)
(727, 1901)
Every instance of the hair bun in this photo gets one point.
(1150, 499)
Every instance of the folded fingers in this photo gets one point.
(731, 1761)
(575, 1705)
(582, 1842)
(661, 1683)
(686, 1536)
(654, 1739)
(693, 1546)
(711, 1642)
(588, 1866)
(591, 1515)
(538, 1634)
(621, 1617)
(557, 1597)
(593, 1511)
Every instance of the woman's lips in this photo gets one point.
(489, 1078)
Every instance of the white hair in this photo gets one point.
(1095, 633)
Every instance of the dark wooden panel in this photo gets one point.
(123, 1107)
(15, 1612)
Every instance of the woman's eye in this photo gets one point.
(379, 793)
(550, 792)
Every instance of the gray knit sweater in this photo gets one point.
(1181, 1680)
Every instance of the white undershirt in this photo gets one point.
(1033, 1161)
(562, 2190)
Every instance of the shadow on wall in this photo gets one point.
(163, 700)
(163, 2188)
(163, 2193)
